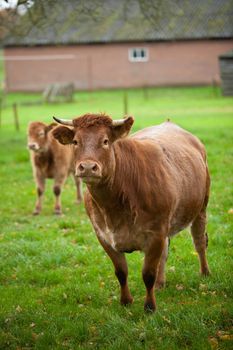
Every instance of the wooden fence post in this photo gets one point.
(145, 92)
(125, 102)
(16, 117)
(215, 87)
(1, 103)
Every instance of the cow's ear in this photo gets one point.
(63, 134)
(50, 127)
(122, 127)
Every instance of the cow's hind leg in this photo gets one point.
(151, 263)
(161, 277)
(121, 271)
(200, 240)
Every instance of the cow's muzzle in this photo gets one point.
(33, 146)
(88, 171)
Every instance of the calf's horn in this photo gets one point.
(64, 121)
(119, 121)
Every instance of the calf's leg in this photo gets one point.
(151, 263)
(121, 271)
(40, 184)
(200, 240)
(57, 192)
(78, 184)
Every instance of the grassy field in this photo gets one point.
(57, 286)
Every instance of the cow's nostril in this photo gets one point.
(81, 167)
(85, 169)
(95, 168)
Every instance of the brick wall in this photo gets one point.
(108, 66)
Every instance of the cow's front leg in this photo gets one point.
(151, 263)
(40, 187)
(121, 271)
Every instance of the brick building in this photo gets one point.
(121, 47)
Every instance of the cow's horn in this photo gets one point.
(119, 121)
(64, 121)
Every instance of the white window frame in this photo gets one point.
(138, 57)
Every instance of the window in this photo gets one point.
(138, 54)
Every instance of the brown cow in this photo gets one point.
(51, 160)
(141, 190)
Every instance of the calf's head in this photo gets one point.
(38, 136)
(92, 137)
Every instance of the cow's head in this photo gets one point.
(92, 136)
(38, 136)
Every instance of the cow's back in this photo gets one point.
(171, 135)
(55, 161)
(183, 160)
(62, 155)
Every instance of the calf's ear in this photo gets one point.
(122, 127)
(63, 134)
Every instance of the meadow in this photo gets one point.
(57, 286)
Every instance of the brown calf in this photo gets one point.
(141, 190)
(50, 160)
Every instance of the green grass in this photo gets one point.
(57, 286)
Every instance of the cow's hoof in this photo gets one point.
(205, 272)
(36, 212)
(78, 201)
(126, 301)
(159, 284)
(57, 212)
(149, 307)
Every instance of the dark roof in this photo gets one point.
(103, 21)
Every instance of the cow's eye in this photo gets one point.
(41, 134)
(105, 142)
(75, 142)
